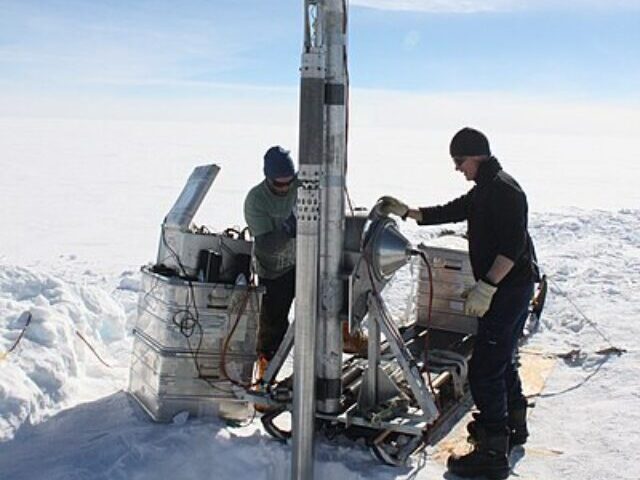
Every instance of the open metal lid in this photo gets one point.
(181, 214)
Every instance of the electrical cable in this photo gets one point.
(351, 209)
(590, 322)
(189, 321)
(574, 355)
(17, 341)
(225, 347)
(236, 234)
(187, 326)
(425, 367)
(424, 258)
(24, 329)
(573, 387)
(92, 349)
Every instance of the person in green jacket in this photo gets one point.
(269, 211)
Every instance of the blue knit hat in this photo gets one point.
(278, 163)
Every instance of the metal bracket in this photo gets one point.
(372, 395)
(394, 449)
(281, 355)
(404, 358)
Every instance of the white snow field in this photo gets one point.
(82, 201)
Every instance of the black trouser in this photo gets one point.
(274, 316)
(493, 369)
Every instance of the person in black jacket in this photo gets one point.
(503, 262)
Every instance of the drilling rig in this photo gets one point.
(411, 387)
(198, 315)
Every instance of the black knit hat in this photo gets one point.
(469, 142)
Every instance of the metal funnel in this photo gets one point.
(390, 250)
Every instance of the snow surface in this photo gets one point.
(82, 203)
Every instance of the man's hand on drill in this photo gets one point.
(388, 204)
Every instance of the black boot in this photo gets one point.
(488, 457)
(518, 426)
(518, 432)
(471, 429)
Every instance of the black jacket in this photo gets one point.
(496, 211)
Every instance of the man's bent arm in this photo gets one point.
(499, 269)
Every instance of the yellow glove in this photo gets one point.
(479, 298)
(387, 205)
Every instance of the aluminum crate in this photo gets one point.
(452, 275)
(174, 368)
(167, 382)
(175, 313)
(178, 291)
(165, 408)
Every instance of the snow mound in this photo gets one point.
(52, 365)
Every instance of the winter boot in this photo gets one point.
(518, 432)
(355, 342)
(488, 457)
(261, 367)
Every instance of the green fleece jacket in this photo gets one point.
(264, 211)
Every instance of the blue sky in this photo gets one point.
(198, 48)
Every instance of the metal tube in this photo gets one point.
(311, 150)
(305, 332)
(332, 207)
(373, 358)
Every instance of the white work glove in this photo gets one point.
(387, 205)
(478, 298)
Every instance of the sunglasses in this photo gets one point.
(278, 184)
(459, 160)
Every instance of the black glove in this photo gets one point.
(290, 225)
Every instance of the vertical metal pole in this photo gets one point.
(332, 208)
(373, 355)
(311, 151)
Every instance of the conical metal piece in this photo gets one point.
(390, 249)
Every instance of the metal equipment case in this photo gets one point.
(194, 340)
(452, 275)
(179, 347)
